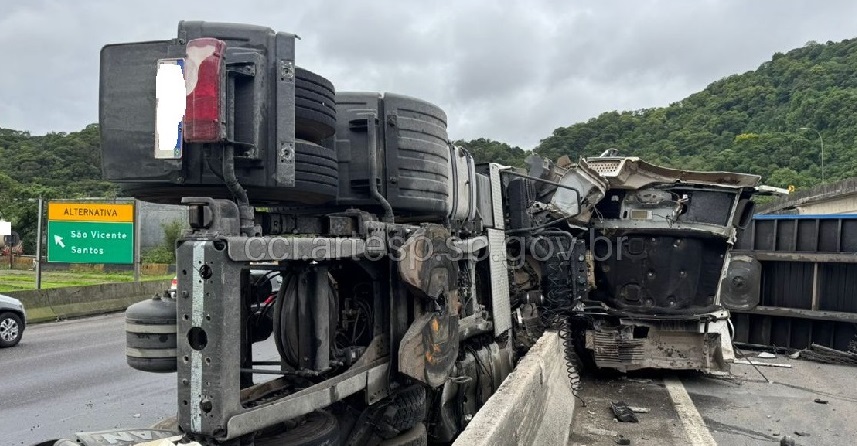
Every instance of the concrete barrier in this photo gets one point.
(533, 406)
(58, 303)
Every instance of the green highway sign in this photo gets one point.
(90, 242)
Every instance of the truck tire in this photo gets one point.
(316, 429)
(315, 106)
(406, 409)
(11, 329)
(316, 169)
(416, 436)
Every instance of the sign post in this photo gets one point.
(39, 244)
(90, 233)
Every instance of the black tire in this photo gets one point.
(420, 157)
(315, 106)
(11, 329)
(416, 436)
(316, 169)
(404, 412)
(316, 429)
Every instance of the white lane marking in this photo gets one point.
(694, 426)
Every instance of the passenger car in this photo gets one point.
(13, 319)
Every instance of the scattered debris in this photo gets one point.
(600, 432)
(802, 434)
(763, 364)
(623, 440)
(639, 380)
(623, 413)
(827, 355)
(820, 401)
(767, 355)
(795, 355)
(787, 441)
(639, 409)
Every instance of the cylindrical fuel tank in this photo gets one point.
(150, 335)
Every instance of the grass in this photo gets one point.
(17, 280)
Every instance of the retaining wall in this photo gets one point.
(533, 406)
(59, 303)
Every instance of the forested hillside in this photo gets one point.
(748, 122)
(56, 165)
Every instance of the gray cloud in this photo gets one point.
(512, 71)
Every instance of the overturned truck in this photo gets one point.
(399, 280)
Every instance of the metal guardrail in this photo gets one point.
(808, 284)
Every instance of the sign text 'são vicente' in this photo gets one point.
(90, 233)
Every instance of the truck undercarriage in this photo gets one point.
(410, 279)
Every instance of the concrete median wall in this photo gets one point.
(59, 303)
(533, 406)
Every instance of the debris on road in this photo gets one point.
(820, 401)
(623, 413)
(639, 409)
(827, 355)
(763, 364)
(622, 440)
(766, 355)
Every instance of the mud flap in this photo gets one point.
(429, 348)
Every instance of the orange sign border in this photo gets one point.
(96, 212)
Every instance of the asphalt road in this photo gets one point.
(748, 409)
(71, 376)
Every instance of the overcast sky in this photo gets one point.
(512, 71)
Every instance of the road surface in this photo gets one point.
(71, 376)
(815, 404)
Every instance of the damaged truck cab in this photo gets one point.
(661, 241)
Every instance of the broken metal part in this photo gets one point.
(623, 413)
(663, 344)
(426, 263)
(305, 401)
(633, 173)
(429, 348)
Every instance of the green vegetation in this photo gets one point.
(490, 151)
(747, 122)
(56, 165)
(166, 252)
(16, 280)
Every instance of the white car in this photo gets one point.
(13, 320)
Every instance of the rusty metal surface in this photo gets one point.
(426, 263)
(429, 348)
(678, 346)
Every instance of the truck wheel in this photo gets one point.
(405, 410)
(315, 106)
(316, 429)
(416, 436)
(316, 169)
(11, 329)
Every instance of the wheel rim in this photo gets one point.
(8, 329)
